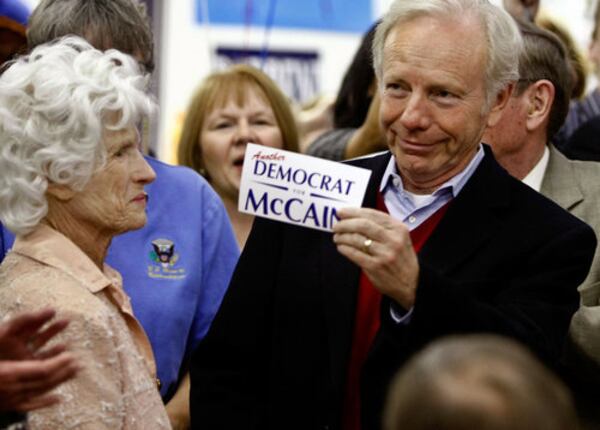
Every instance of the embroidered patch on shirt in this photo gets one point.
(164, 261)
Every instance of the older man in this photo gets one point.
(312, 328)
(535, 112)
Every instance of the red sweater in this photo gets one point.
(367, 321)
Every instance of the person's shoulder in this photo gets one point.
(583, 191)
(526, 205)
(181, 175)
(587, 169)
(178, 191)
(542, 210)
(179, 184)
(370, 160)
(31, 284)
(582, 142)
(331, 144)
(586, 174)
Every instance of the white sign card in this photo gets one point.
(298, 189)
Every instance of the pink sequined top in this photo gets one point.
(116, 388)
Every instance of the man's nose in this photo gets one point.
(416, 113)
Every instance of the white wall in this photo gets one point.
(575, 15)
(31, 3)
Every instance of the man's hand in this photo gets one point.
(381, 247)
(22, 337)
(27, 371)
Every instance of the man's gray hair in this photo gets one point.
(55, 105)
(118, 24)
(545, 57)
(501, 32)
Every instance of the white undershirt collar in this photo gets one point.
(535, 177)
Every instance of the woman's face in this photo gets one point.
(114, 200)
(224, 136)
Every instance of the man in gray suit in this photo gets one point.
(535, 112)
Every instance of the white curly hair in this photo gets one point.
(55, 105)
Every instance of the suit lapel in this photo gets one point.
(560, 183)
(471, 219)
(340, 280)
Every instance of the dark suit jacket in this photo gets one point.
(583, 144)
(504, 259)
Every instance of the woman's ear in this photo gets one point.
(60, 192)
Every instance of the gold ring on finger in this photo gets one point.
(367, 245)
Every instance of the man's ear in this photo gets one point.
(499, 104)
(60, 192)
(540, 96)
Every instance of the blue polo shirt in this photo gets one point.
(175, 269)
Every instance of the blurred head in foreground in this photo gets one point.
(482, 382)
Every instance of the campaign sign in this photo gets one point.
(298, 189)
(295, 72)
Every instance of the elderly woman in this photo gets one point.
(71, 178)
(230, 109)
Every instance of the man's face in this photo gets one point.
(509, 136)
(433, 98)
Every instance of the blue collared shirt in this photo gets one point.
(414, 209)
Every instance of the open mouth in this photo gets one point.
(239, 162)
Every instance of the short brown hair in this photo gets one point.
(544, 56)
(483, 382)
(216, 90)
